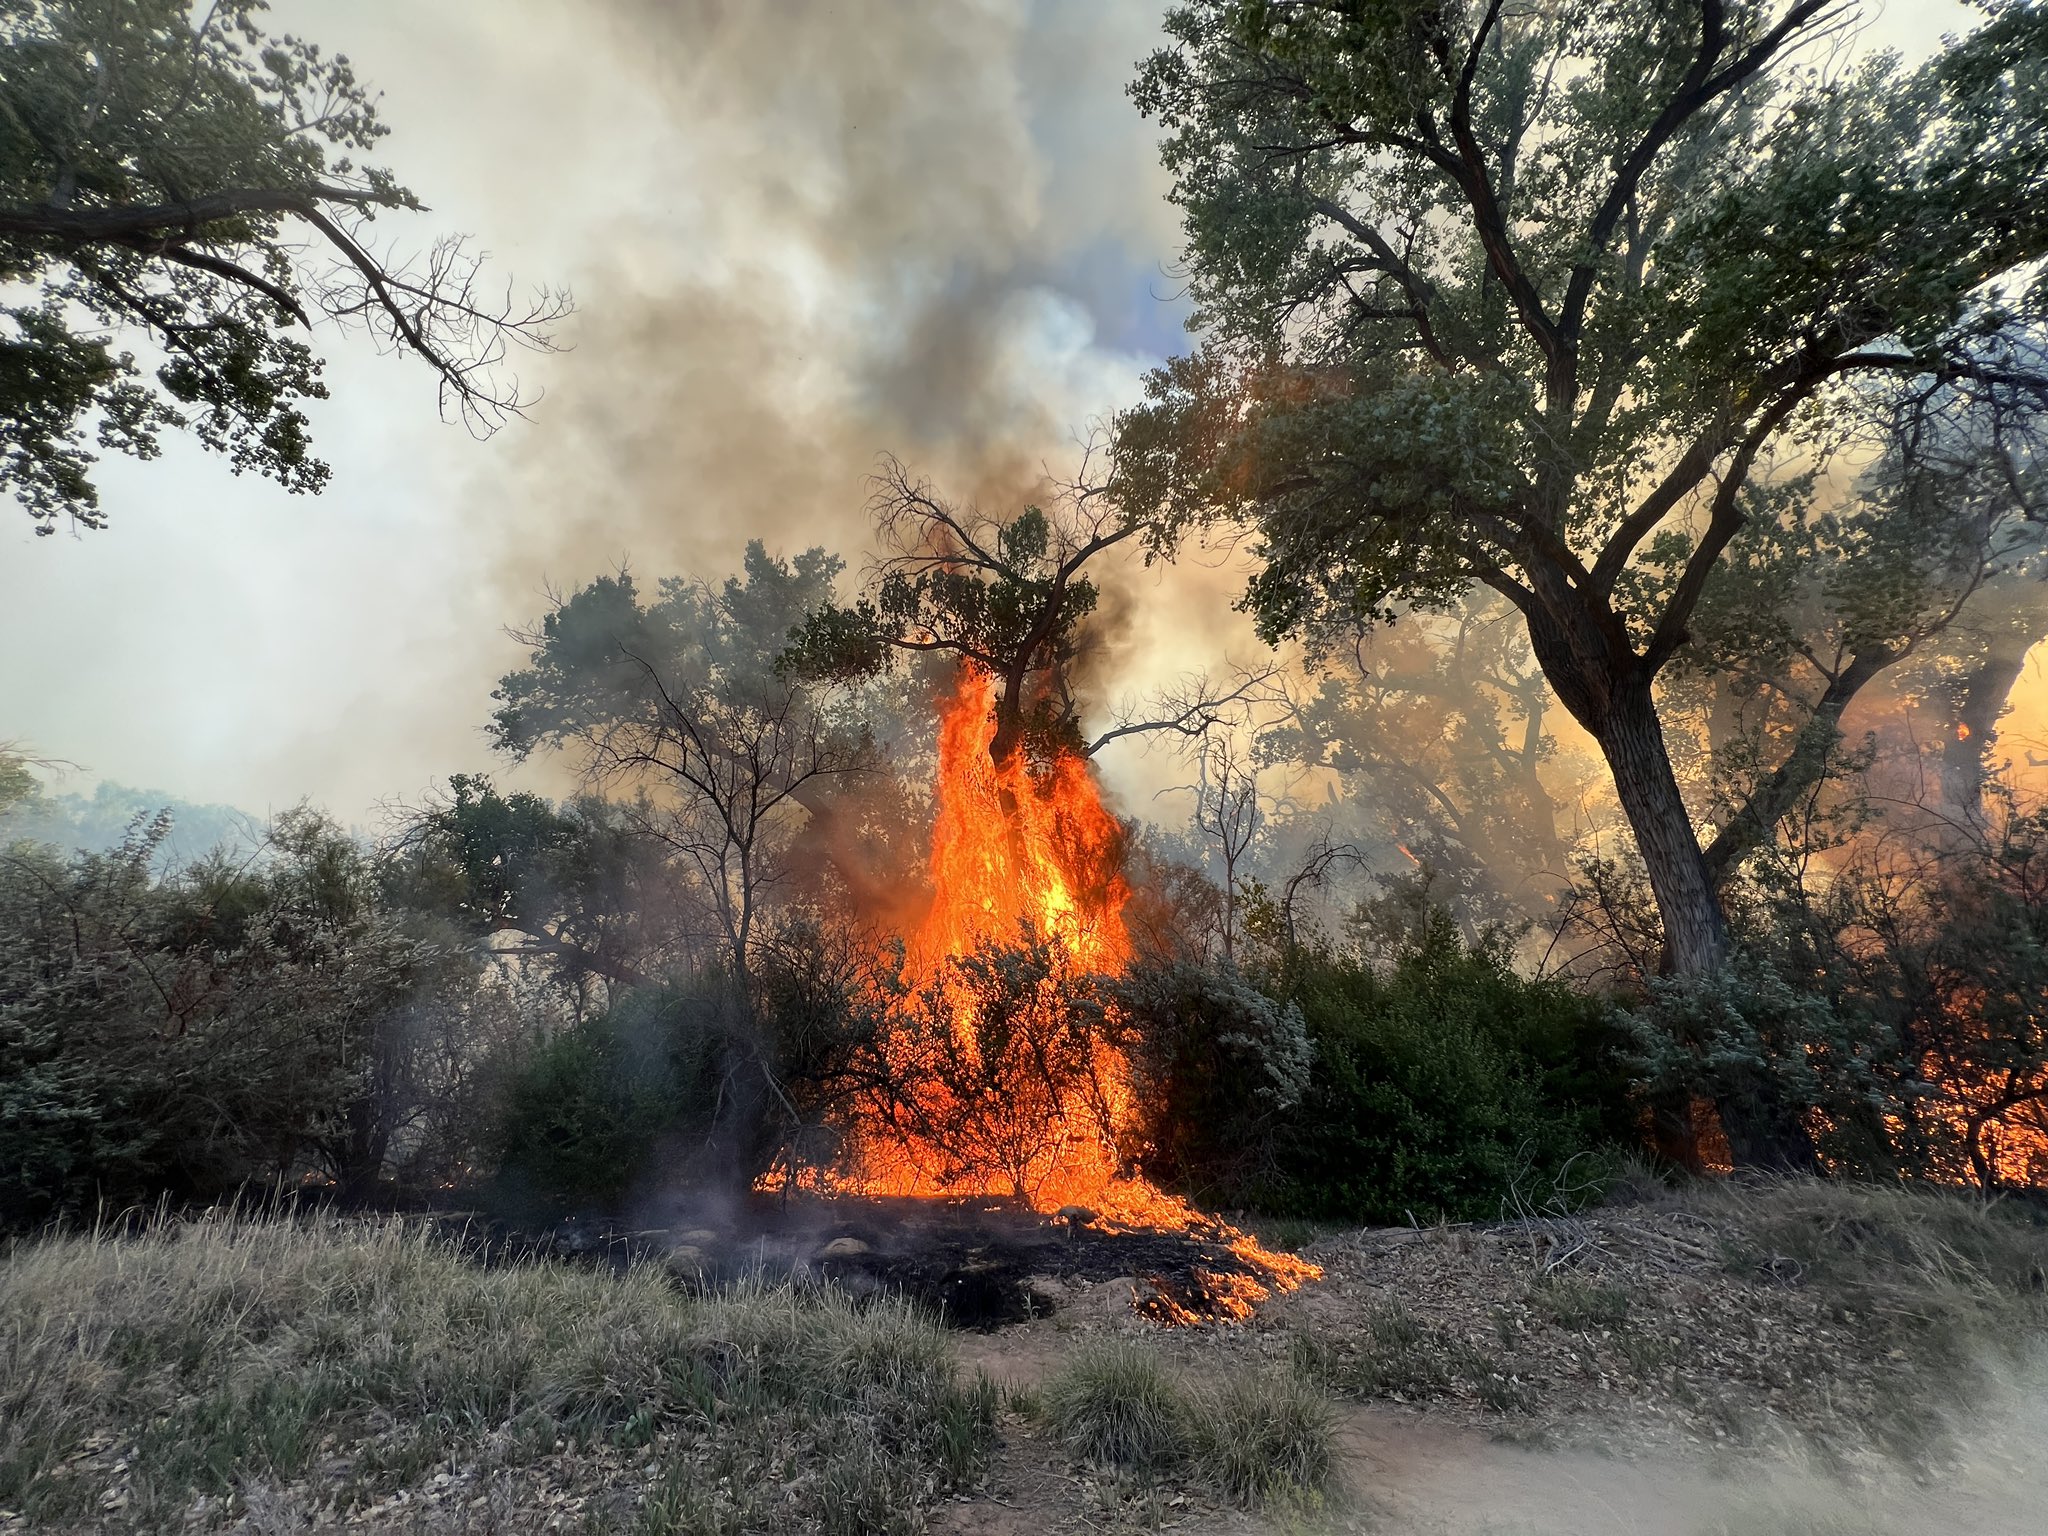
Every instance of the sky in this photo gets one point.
(800, 235)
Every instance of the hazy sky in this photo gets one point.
(800, 235)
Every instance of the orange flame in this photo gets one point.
(1012, 848)
(1019, 851)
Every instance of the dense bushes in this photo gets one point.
(713, 1079)
(241, 1022)
(1444, 1085)
(1220, 1065)
(1884, 1015)
(667, 1067)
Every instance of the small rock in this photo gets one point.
(843, 1248)
(1046, 1294)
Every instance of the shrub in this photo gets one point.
(1220, 1064)
(238, 1022)
(576, 1122)
(1442, 1085)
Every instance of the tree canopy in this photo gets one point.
(680, 699)
(1543, 298)
(198, 186)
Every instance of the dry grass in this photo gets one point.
(1849, 1318)
(286, 1373)
(1393, 1354)
(1254, 1437)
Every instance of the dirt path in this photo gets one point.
(1416, 1472)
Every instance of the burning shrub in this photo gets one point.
(1781, 1062)
(1218, 1064)
(1441, 1084)
(1884, 1014)
(1001, 1071)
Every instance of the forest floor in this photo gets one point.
(1785, 1360)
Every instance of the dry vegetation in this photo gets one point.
(1845, 1318)
(264, 1376)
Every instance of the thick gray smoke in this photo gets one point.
(800, 235)
(926, 228)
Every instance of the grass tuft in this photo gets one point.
(1115, 1403)
(1268, 1437)
(1578, 1304)
(1256, 1437)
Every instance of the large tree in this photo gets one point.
(1540, 297)
(677, 705)
(172, 175)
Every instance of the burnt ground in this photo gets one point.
(979, 1264)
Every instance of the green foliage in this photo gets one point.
(1768, 1052)
(237, 1021)
(1463, 271)
(1444, 1085)
(679, 702)
(1537, 298)
(675, 1067)
(720, 1077)
(577, 1122)
(583, 884)
(605, 655)
(17, 783)
(153, 161)
(1220, 1064)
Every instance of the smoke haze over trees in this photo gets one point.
(673, 852)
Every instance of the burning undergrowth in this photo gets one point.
(1002, 1068)
(976, 1263)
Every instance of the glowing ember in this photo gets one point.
(1007, 1080)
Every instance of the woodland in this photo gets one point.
(1632, 416)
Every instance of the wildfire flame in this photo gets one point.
(1026, 849)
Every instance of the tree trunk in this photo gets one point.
(1632, 740)
(1762, 1132)
(1973, 727)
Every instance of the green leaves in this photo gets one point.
(151, 159)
